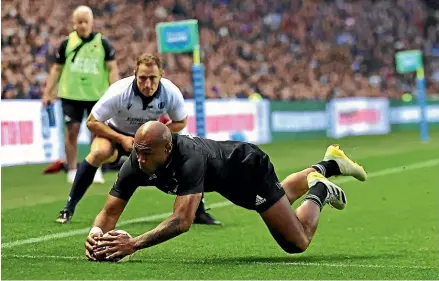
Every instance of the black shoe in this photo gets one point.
(206, 218)
(64, 216)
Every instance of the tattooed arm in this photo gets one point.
(179, 222)
(188, 198)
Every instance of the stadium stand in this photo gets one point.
(283, 49)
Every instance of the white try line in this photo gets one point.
(86, 230)
(297, 263)
(70, 233)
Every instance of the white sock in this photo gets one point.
(71, 174)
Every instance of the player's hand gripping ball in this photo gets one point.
(103, 257)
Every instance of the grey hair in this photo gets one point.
(85, 9)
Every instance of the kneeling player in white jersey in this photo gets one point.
(126, 105)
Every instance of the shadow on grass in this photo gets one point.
(276, 260)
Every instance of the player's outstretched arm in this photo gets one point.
(108, 217)
(118, 246)
(179, 222)
(105, 221)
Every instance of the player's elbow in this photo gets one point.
(92, 125)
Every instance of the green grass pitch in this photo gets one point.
(389, 229)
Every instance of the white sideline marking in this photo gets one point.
(70, 233)
(300, 263)
(86, 230)
(395, 170)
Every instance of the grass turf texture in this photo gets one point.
(389, 229)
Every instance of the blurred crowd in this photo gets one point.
(281, 49)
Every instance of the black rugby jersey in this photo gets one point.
(196, 165)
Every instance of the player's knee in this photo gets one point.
(99, 155)
(294, 249)
(185, 224)
(185, 227)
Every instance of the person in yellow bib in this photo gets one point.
(85, 67)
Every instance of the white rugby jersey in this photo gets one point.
(124, 108)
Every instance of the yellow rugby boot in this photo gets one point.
(347, 166)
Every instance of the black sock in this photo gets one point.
(327, 168)
(317, 194)
(201, 208)
(83, 179)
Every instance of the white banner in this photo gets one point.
(358, 116)
(412, 114)
(225, 120)
(233, 120)
(298, 121)
(25, 133)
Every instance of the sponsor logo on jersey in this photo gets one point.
(259, 200)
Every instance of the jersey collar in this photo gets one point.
(138, 93)
(146, 100)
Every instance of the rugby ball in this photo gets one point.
(102, 257)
